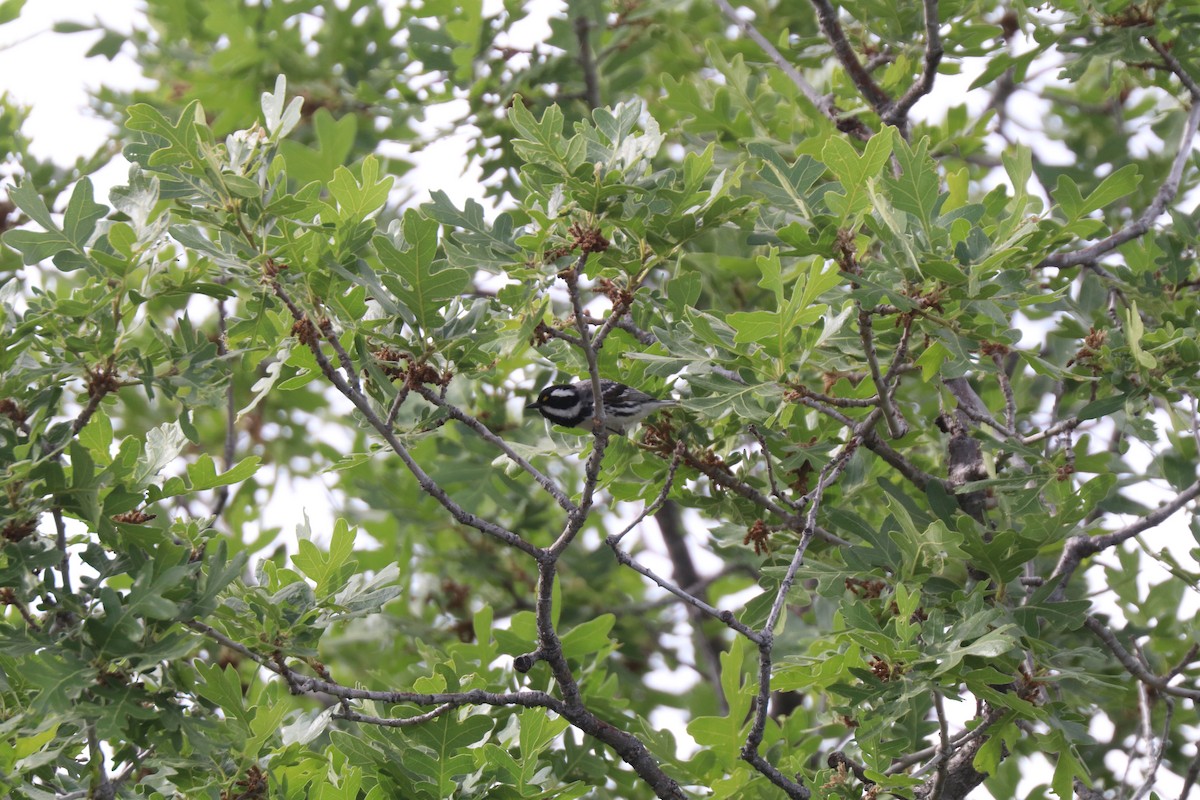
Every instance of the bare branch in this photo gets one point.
(591, 474)
(343, 357)
(587, 62)
(1165, 194)
(898, 114)
(658, 501)
(1010, 400)
(360, 401)
(823, 104)
(961, 776)
(944, 751)
(725, 617)
(1132, 665)
(766, 637)
(962, 737)
(484, 433)
(222, 493)
(626, 324)
(60, 541)
(827, 16)
(104, 789)
(1193, 773)
(307, 684)
(1158, 750)
(395, 722)
(896, 424)
(1173, 64)
(394, 410)
(1080, 547)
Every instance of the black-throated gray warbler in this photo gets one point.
(570, 405)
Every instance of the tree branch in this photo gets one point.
(823, 104)
(1132, 665)
(726, 617)
(898, 114)
(832, 28)
(484, 433)
(766, 637)
(360, 401)
(896, 424)
(587, 62)
(1166, 192)
(1080, 547)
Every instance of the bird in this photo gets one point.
(570, 405)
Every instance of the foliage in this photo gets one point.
(930, 423)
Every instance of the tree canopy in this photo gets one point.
(922, 520)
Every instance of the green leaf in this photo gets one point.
(279, 120)
(1134, 331)
(916, 190)
(1103, 407)
(355, 200)
(65, 248)
(203, 473)
(163, 445)
(10, 10)
(82, 214)
(335, 142)
(793, 180)
(1067, 195)
(328, 570)
(588, 637)
(1115, 186)
(223, 686)
(542, 141)
(421, 287)
(853, 171)
(182, 138)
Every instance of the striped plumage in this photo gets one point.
(570, 405)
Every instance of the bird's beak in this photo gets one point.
(535, 404)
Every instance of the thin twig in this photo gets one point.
(898, 114)
(1166, 192)
(1131, 663)
(627, 325)
(587, 61)
(725, 617)
(308, 684)
(223, 492)
(766, 640)
(427, 484)
(766, 453)
(903, 763)
(394, 409)
(1173, 64)
(395, 722)
(939, 707)
(591, 473)
(616, 538)
(343, 357)
(823, 104)
(60, 541)
(1010, 400)
(827, 16)
(104, 789)
(896, 424)
(1193, 773)
(1157, 750)
(1080, 547)
(484, 433)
